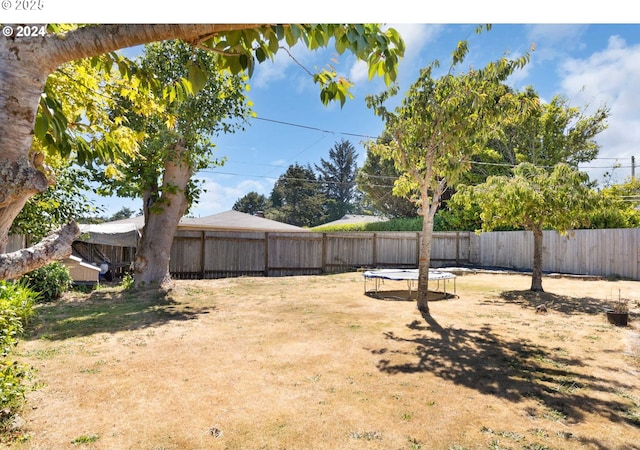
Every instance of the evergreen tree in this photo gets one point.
(297, 199)
(375, 180)
(252, 203)
(338, 179)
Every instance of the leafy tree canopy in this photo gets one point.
(532, 198)
(219, 106)
(297, 199)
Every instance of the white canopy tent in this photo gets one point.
(115, 234)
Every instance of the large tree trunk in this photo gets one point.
(424, 262)
(162, 216)
(25, 63)
(428, 210)
(536, 275)
(22, 77)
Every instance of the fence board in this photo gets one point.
(234, 253)
(396, 249)
(187, 254)
(345, 251)
(294, 253)
(16, 242)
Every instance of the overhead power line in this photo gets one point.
(312, 128)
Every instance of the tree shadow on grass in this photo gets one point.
(109, 311)
(559, 303)
(515, 370)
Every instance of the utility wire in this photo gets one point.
(312, 128)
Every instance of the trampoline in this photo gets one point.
(408, 275)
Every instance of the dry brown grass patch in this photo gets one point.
(314, 363)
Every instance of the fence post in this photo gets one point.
(375, 250)
(418, 249)
(266, 254)
(203, 247)
(324, 253)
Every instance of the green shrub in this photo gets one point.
(396, 224)
(128, 281)
(18, 298)
(16, 309)
(51, 281)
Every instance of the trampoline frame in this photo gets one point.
(410, 275)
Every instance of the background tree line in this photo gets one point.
(310, 196)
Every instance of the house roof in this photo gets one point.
(235, 220)
(228, 220)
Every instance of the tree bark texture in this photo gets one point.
(161, 221)
(424, 262)
(25, 63)
(536, 276)
(429, 209)
(53, 247)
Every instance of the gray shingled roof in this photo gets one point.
(228, 220)
(235, 220)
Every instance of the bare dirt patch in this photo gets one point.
(314, 363)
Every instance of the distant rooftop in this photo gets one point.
(350, 219)
(228, 220)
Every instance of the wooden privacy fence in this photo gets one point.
(216, 254)
(610, 252)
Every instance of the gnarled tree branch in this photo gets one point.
(53, 247)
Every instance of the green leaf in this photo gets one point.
(197, 77)
(41, 126)
(260, 54)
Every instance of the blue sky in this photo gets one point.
(591, 65)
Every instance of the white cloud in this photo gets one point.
(219, 198)
(609, 77)
(284, 66)
(556, 36)
(270, 71)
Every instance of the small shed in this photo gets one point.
(81, 272)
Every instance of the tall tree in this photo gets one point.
(440, 125)
(176, 145)
(535, 199)
(337, 177)
(123, 213)
(556, 132)
(297, 199)
(26, 62)
(618, 206)
(252, 203)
